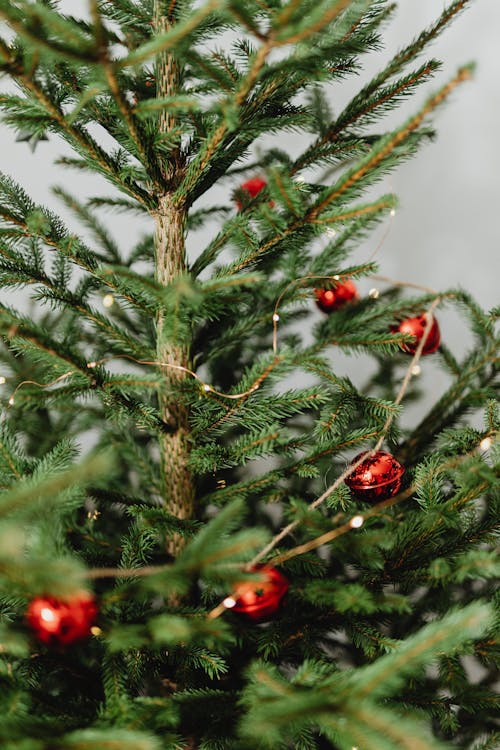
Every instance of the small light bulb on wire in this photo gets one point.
(276, 317)
(356, 522)
(374, 293)
(108, 300)
(393, 212)
(416, 370)
(229, 602)
(486, 443)
(3, 380)
(331, 232)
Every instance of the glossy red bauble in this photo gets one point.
(259, 600)
(62, 621)
(416, 327)
(252, 187)
(336, 295)
(376, 478)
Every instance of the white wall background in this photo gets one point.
(446, 231)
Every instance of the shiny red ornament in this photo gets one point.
(377, 478)
(62, 621)
(259, 600)
(416, 327)
(336, 296)
(253, 188)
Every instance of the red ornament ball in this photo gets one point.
(377, 478)
(259, 600)
(416, 327)
(62, 621)
(252, 187)
(336, 296)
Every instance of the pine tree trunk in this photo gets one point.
(177, 485)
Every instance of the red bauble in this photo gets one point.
(376, 478)
(253, 188)
(62, 621)
(416, 327)
(259, 600)
(336, 296)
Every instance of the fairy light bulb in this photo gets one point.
(276, 317)
(11, 401)
(374, 293)
(416, 370)
(393, 212)
(229, 602)
(108, 300)
(331, 232)
(207, 388)
(356, 522)
(486, 443)
(3, 380)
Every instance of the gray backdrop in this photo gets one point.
(445, 232)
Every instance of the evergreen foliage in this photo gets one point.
(206, 445)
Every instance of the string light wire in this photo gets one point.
(345, 474)
(209, 389)
(354, 522)
(347, 527)
(12, 399)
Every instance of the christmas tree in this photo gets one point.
(212, 538)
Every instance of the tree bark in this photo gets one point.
(170, 260)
